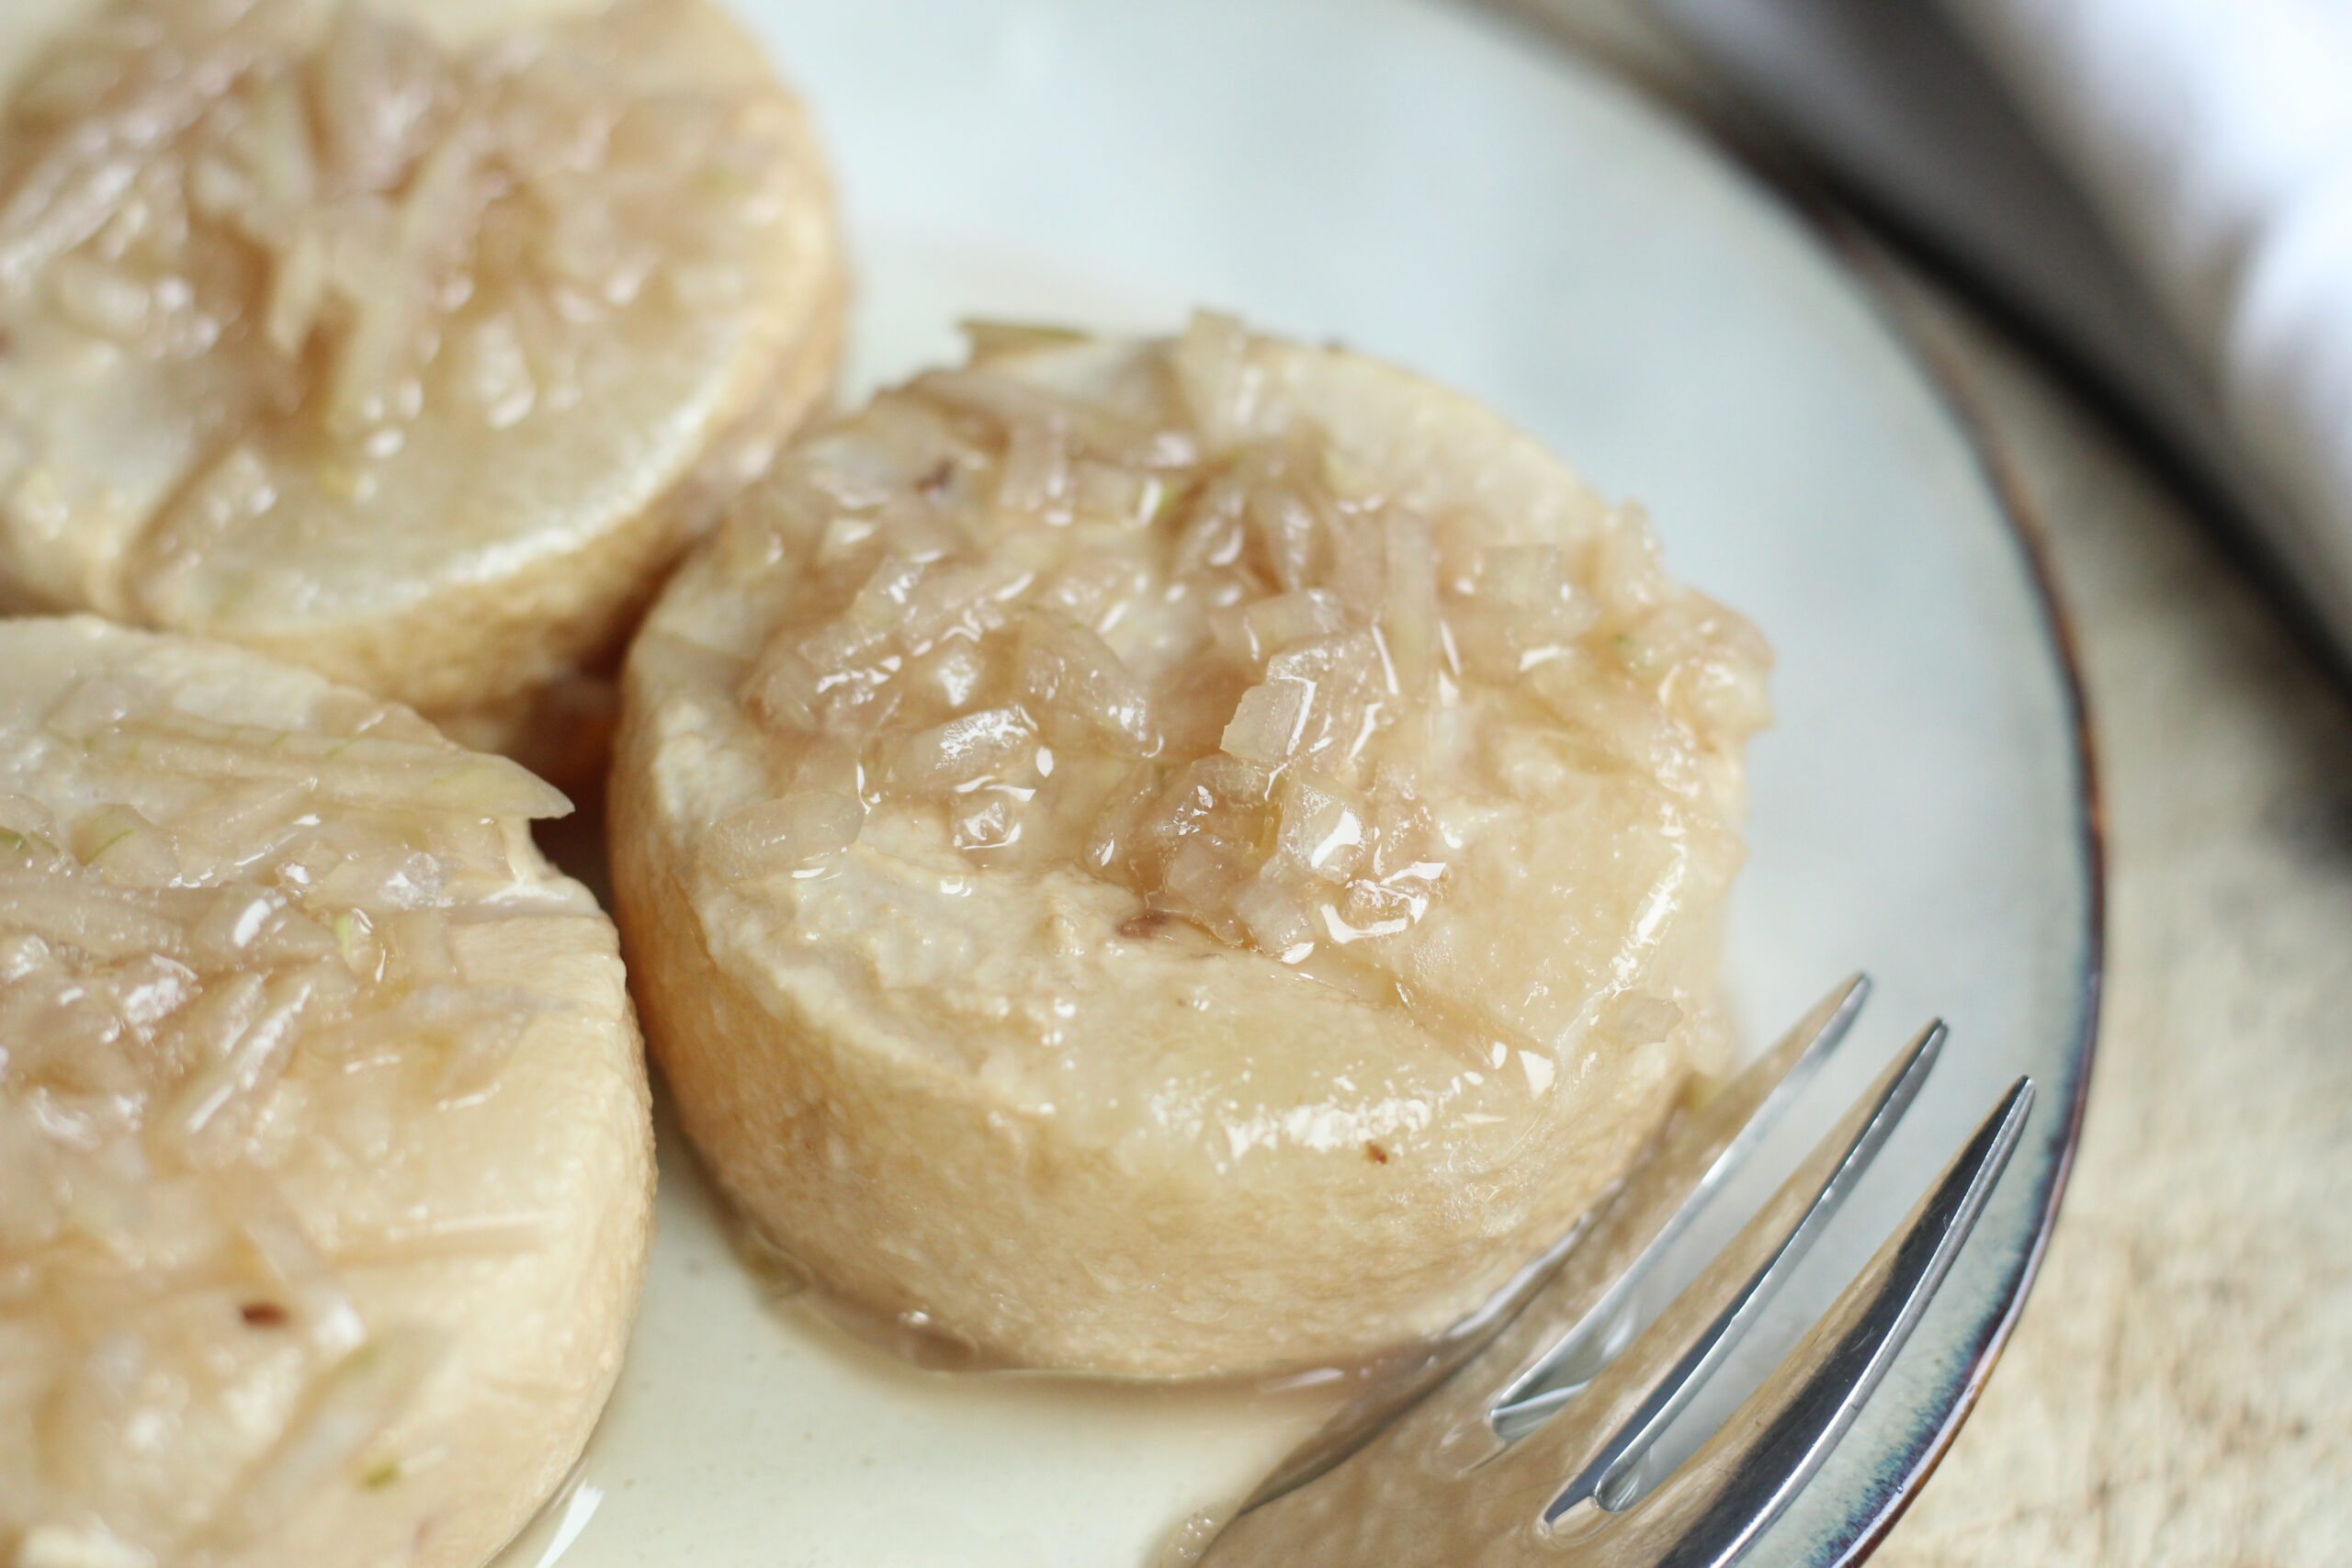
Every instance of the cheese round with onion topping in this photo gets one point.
(1177, 857)
(411, 357)
(326, 1158)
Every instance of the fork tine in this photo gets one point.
(1443, 1459)
(1713, 1506)
(1642, 1391)
(1717, 1139)
(1586, 1279)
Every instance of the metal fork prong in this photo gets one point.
(1641, 1393)
(1716, 1138)
(1715, 1504)
(1604, 1260)
(1437, 1487)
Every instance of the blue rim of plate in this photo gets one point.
(1873, 268)
(1870, 260)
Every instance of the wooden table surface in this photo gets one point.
(2180, 1389)
(2180, 1392)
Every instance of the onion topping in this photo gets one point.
(1164, 631)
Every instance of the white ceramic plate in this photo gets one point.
(1445, 192)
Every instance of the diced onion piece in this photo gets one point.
(1342, 677)
(960, 751)
(474, 1032)
(1537, 594)
(1288, 533)
(1200, 880)
(1323, 828)
(100, 299)
(872, 621)
(105, 923)
(358, 770)
(353, 935)
(1408, 610)
(1219, 385)
(1036, 478)
(987, 819)
(1288, 619)
(1622, 725)
(1639, 1018)
(79, 1546)
(1087, 695)
(784, 688)
(95, 703)
(210, 1115)
(240, 817)
(951, 673)
(967, 599)
(24, 815)
(388, 879)
(1269, 725)
(125, 846)
(349, 1407)
(1277, 921)
(298, 292)
(990, 338)
(1113, 493)
(780, 835)
(219, 1015)
(233, 922)
(323, 1308)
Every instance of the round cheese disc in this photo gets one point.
(1177, 857)
(325, 1156)
(406, 341)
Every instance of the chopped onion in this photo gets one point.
(991, 338)
(1112, 493)
(102, 299)
(1219, 385)
(1288, 619)
(358, 770)
(1270, 725)
(1087, 692)
(1409, 613)
(1288, 534)
(375, 90)
(1165, 631)
(216, 1108)
(349, 1407)
(961, 750)
(104, 922)
(1323, 828)
(90, 706)
(298, 292)
(79, 1546)
(125, 846)
(1036, 478)
(781, 835)
(494, 372)
(322, 1305)
(1276, 921)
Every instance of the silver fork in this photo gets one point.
(1525, 1435)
